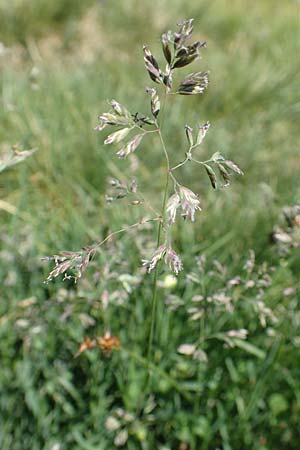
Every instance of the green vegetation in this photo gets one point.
(60, 63)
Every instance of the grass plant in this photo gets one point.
(224, 367)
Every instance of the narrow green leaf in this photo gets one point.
(249, 348)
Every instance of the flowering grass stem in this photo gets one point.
(160, 226)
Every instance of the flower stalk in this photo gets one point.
(130, 131)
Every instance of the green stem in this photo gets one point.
(154, 291)
(154, 296)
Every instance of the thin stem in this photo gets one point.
(154, 296)
(164, 149)
(189, 158)
(180, 164)
(165, 195)
(123, 230)
(202, 162)
(146, 131)
(173, 179)
(169, 170)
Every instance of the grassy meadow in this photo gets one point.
(236, 304)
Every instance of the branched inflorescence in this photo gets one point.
(131, 129)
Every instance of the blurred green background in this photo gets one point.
(60, 62)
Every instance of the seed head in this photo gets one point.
(170, 257)
(152, 66)
(194, 83)
(173, 261)
(117, 136)
(172, 206)
(203, 129)
(189, 203)
(155, 103)
(131, 146)
(156, 257)
(189, 135)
